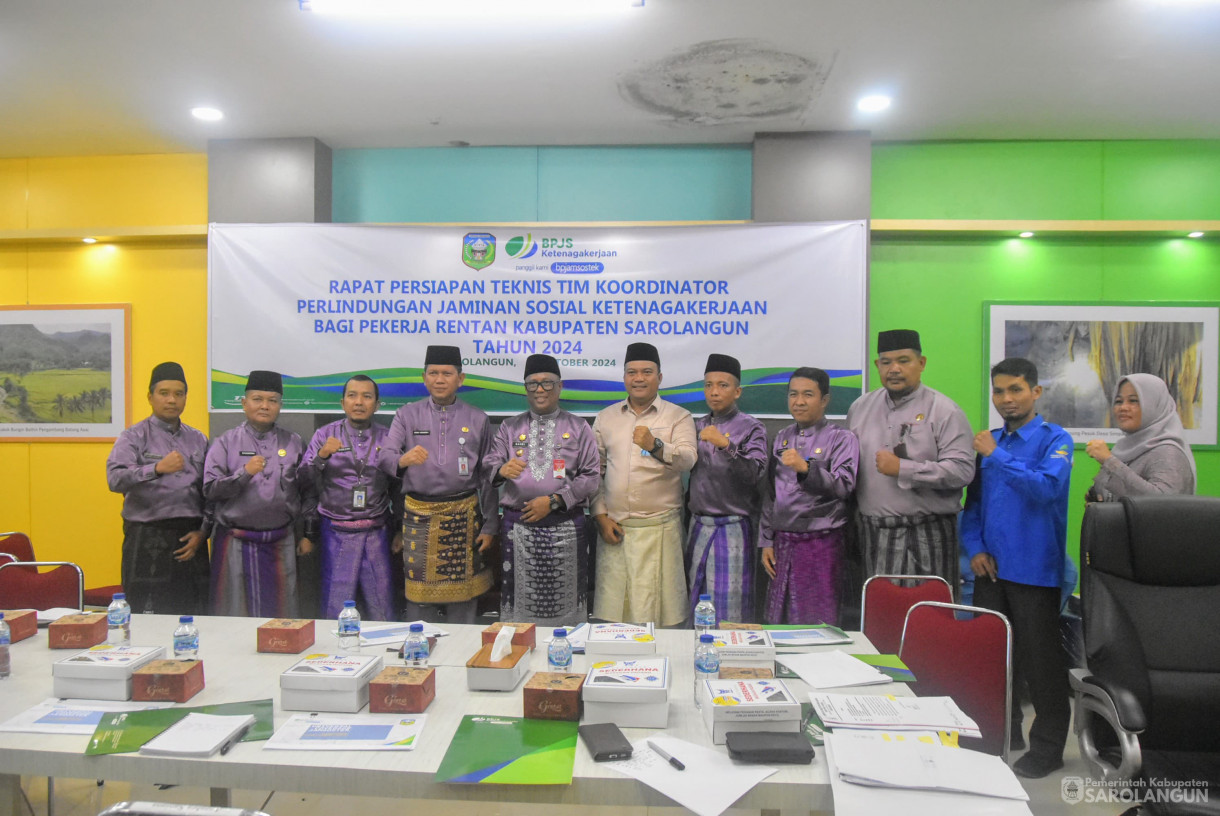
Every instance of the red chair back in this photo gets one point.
(18, 545)
(22, 586)
(969, 660)
(883, 609)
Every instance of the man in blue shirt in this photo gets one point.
(1014, 528)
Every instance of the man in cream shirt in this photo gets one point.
(646, 444)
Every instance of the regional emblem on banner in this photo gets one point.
(478, 249)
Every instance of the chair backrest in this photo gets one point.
(884, 605)
(1150, 589)
(18, 545)
(21, 588)
(968, 659)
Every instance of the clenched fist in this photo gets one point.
(416, 456)
(329, 448)
(512, 468)
(172, 462)
(255, 465)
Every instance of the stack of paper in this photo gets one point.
(198, 735)
(711, 783)
(875, 711)
(376, 634)
(804, 639)
(833, 670)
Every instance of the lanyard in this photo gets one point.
(361, 464)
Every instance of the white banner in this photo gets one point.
(319, 302)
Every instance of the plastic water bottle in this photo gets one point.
(559, 653)
(415, 650)
(349, 629)
(707, 664)
(186, 639)
(705, 615)
(6, 665)
(118, 615)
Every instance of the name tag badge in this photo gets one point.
(358, 498)
(247, 453)
(344, 449)
(421, 433)
(557, 469)
(463, 465)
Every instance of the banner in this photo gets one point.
(320, 302)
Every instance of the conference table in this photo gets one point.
(235, 671)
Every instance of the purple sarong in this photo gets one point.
(720, 550)
(808, 577)
(356, 557)
(254, 573)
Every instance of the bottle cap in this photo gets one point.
(119, 596)
(706, 638)
(348, 604)
(186, 619)
(560, 633)
(705, 597)
(417, 627)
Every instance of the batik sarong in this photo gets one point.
(641, 579)
(546, 569)
(356, 561)
(154, 580)
(439, 555)
(911, 545)
(721, 555)
(808, 583)
(254, 573)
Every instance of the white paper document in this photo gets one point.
(199, 735)
(692, 788)
(67, 716)
(46, 616)
(348, 732)
(833, 670)
(892, 713)
(868, 800)
(387, 634)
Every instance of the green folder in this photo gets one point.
(122, 732)
(889, 665)
(510, 751)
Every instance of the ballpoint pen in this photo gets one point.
(665, 755)
(235, 739)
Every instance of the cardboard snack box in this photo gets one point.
(77, 631)
(745, 673)
(22, 623)
(402, 690)
(620, 640)
(167, 681)
(285, 636)
(553, 696)
(524, 634)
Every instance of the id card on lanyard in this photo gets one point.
(360, 491)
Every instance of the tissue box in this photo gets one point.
(628, 693)
(748, 705)
(402, 690)
(101, 673)
(484, 674)
(327, 682)
(553, 696)
(744, 647)
(524, 634)
(167, 681)
(620, 640)
(22, 623)
(78, 631)
(285, 636)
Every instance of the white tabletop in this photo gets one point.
(235, 671)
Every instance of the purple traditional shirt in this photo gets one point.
(352, 466)
(267, 501)
(725, 482)
(560, 452)
(815, 501)
(457, 438)
(147, 495)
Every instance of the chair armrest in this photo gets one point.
(1128, 713)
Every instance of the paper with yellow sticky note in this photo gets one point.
(887, 712)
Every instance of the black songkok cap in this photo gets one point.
(896, 339)
(724, 363)
(166, 371)
(541, 364)
(642, 352)
(265, 381)
(443, 355)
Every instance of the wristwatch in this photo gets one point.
(556, 502)
(657, 444)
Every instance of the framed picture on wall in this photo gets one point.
(65, 372)
(1082, 351)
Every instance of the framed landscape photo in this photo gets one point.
(1082, 351)
(64, 372)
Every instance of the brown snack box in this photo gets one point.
(745, 673)
(730, 625)
(402, 690)
(22, 623)
(285, 636)
(77, 631)
(524, 634)
(167, 681)
(553, 696)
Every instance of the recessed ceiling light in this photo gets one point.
(1195, 234)
(873, 104)
(1027, 234)
(425, 9)
(88, 240)
(207, 114)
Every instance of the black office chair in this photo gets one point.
(1150, 591)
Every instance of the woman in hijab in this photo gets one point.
(1152, 457)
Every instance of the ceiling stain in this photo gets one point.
(724, 81)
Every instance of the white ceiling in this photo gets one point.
(119, 76)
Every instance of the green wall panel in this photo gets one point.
(1169, 180)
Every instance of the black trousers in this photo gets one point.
(1038, 658)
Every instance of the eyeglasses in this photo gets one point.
(545, 385)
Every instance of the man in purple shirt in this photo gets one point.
(438, 447)
(251, 478)
(723, 496)
(157, 465)
(547, 464)
(354, 519)
(812, 473)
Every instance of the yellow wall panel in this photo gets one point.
(103, 191)
(14, 182)
(13, 280)
(15, 496)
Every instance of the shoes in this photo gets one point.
(1032, 766)
(1016, 742)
